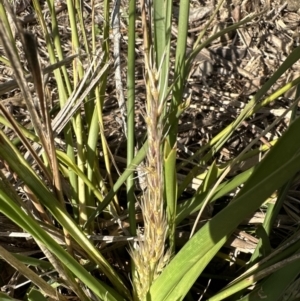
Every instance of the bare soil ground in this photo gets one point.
(223, 77)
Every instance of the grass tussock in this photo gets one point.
(209, 123)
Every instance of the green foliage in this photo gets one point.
(72, 175)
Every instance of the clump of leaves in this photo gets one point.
(67, 190)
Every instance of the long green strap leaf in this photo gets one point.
(276, 169)
(17, 163)
(17, 215)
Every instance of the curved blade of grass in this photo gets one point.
(219, 136)
(272, 288)
(273, 209)
(216, 144)
(279, 265)
(187, 207)
(17, 163)
(219, 34)
(208, 23)
(63, 158)
(27, 272)
(45, 265)
(129, 170)
(8, 191)
(268, 290)
(276, 169)
(218, 141)
(269, 219)
(283, 252)
(210, 178)
(17, 215)
(222, 172)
